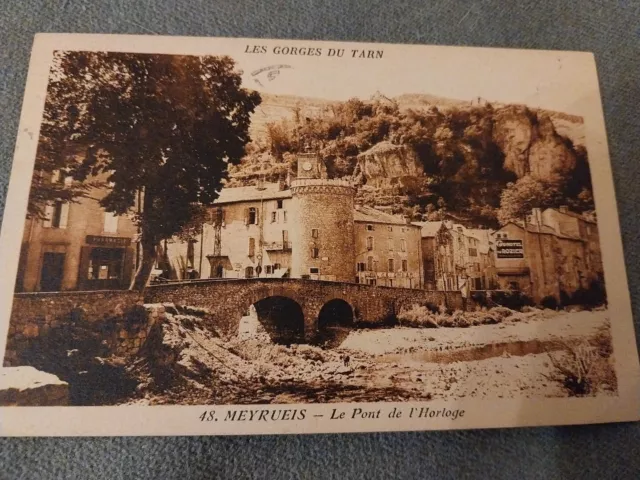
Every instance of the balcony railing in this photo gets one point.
(271, 246)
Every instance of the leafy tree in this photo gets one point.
(519, 198)
(163, 127)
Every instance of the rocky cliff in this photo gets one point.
(531, 144)
(419, 154)
(385, 163)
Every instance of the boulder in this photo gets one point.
(26, 386)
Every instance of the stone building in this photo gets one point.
(451, 252)
(310, 230)
(78, 246)
(388, 250)
(554, 255)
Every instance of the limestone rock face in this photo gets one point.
(385, 162)
(26, 386)
(531, 144)
(548, 154)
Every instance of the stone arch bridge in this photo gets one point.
(230, 299)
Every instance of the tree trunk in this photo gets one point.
(143, 274)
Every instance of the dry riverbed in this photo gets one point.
(188, 364)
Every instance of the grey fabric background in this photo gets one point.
(609, 28)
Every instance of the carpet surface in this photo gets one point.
(611, 29)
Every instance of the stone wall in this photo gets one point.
(323, 237)
(228, 300)
(116, 317)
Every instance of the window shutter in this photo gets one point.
(48, 213)
(246, 216)
(64, 215)
(257, 216)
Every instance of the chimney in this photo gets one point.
(564, 208)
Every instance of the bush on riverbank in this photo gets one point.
(420, 316)
(585, 367)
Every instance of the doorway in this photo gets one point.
(52, 271)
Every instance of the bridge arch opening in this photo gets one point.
(335, 321)
(282, 318)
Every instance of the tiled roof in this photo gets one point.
(574, 215)
(546, 230)
(268, 191)
(371, 215)
(429, 229)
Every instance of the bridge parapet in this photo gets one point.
(229, 299)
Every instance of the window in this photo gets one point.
(273, 217)
(391, 265)
(390, 244)
(279, 203)
(369, 243)
(315, 252)
(268, 269)
(390, 228)
(248, 272)
(314, 233)
(110, 223)
(315, 270)
(284, 216)
(252, 246)
(361, 267)
(404, 266)
(105, 263)
(56, 215)
(285, 238)
(252, 218)
(403, 245)
(371, 281)
(370, 264)
(473, 252)
(390, 282)
(370, 228)
(276, 266)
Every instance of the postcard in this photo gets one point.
(245, 236)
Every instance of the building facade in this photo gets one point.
(310, 229)
(78, 246)
(453, 254)
(388, 250)
(554, 255)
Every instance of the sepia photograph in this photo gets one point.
(225, 229)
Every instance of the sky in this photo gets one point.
(558, 81)
(561, 81)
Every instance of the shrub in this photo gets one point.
(417, 316)
(549, 302)
(501, 312)
(592, 296)
(459, 320)
(511, 299)
(584, 368)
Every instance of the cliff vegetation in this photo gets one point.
(466, 161)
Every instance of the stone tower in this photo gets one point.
(323, 244)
